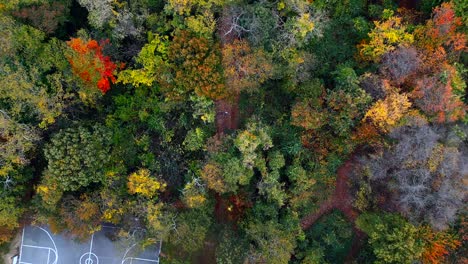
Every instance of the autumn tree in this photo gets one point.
(386, 36)
(186, 64)
(91, 65)
(385, 113)
(46, 16)
(442, 31)
(81, 217)
(308, 116)
(400, 64)
(141, 182)
(245, 68)
(212, 174)
(195, 65)
(437, 244)
(435, 95)
(426, 170)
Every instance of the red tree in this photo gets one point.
(90, 64)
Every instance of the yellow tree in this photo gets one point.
(385, 37)
(385, 113)
(141, 182)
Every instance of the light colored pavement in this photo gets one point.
(40, 246)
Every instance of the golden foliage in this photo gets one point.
(212, 174)
(385, 37)
(385, 113)
(141, 182)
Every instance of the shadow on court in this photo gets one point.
(40, 246)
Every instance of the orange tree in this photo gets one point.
(89, 63)
(244, 67)
(437, 245)
(195, 65)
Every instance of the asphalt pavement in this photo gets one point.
(40, 246)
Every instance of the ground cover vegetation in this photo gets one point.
(234, 131)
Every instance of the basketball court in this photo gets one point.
(40, 246)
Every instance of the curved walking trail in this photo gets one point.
(340, 200)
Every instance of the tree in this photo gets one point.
(347, 102)
(327, 241)
(10, 213)
(212, 175)
(249, 140)
(35, 75)
(437, 245)
(231, 248)
(16, 140)
(385, 37)
(393, 240)
(426, 170)
(194, 193)
(400, 64)
(195, 65)
(385, 113)
(441, 30)
(90, 64)
(308, 116)
(46, 16)
(435, 96)
(244, 68)
(271, 242)
(183, 7)
(186, 64)
(190, 230)
(100, 12)
(77, 157)
(117, 19)
(141, 182)
(153, 59)
(81, 217)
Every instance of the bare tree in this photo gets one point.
(399, 64)
(426, 174)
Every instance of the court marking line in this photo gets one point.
(90, 254)
(53, 242)
(39, 247)
(140, 259)
(21, 248)
(125, 258)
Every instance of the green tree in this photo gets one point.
(392, 238)
(77, 157)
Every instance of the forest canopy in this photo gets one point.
(287, 131)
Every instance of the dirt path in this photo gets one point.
(227, 111)
(227, 115)
(341, 200)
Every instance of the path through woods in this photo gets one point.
(227, 111)
(340, 200)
